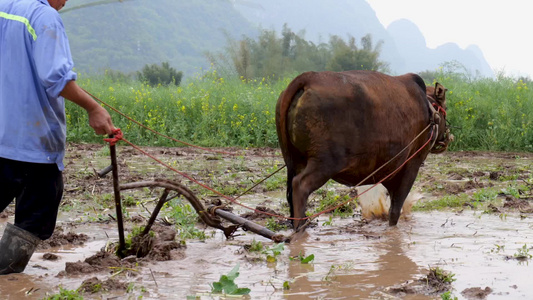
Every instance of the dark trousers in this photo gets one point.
(37, 190)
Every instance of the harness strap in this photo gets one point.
(434, 122)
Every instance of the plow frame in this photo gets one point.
(211, 216)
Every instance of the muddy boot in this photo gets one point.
(16, 248)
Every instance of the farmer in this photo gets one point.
(35, 77)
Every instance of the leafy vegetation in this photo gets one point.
(135, 232)
(65, 294)
(186, 219)
(440, 281)
(273, 252)
(304, 259)
(155, 75)
(498, 248)
(227, 285)
(523, 253)
(274, 224)
(210, 110)
(446, 202)
(255, 246)
(442, 275)
(273, 55)
(489, 114)
(330, 199)
(448, 296)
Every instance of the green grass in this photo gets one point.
(492, 114)
(446, 202)
(185, 218)
(273, 225)
(486, 114)
(65, 294)
(208, 111)
(330, 199)
(485, 195)
(478, 200)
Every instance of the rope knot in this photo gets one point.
(115, 137)
(439, 109)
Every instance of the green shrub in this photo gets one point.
(156, 75)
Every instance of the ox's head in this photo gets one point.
(437, 98)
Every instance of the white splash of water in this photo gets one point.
(375, 203)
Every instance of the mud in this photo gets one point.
(98, 262)
(476, 293)
(94, 285)
(486, 249)
(59, 238)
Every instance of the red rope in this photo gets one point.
(439, 108)
(397, 169)
(119, 136)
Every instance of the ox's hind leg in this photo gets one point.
(312, 177)
(399, 187)
(290, 176)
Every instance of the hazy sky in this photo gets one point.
(502, 29)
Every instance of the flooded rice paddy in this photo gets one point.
(485, 249)
(352, 260)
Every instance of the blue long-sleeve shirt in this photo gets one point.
(35, 66)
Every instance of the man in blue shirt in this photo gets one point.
(35, 77)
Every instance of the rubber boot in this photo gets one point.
(16, 248)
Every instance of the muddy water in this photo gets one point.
(353, 260)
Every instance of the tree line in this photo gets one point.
(271, 54)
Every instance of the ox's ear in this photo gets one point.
(440, 94)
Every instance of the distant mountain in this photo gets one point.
(412, 48)
(126, 35)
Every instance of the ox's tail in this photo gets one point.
(290, 94)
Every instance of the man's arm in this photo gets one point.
(99, 118)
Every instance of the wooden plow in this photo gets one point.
(211, 216)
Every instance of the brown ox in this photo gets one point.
(344, 126)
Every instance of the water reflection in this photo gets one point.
(21, 286)
(357, 266)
